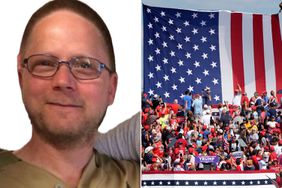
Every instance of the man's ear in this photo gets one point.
(112, 88)
(19, 68)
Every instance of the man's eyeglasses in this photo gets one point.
(82, 68)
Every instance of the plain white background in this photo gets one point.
(123, 19)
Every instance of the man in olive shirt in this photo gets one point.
(67, 76)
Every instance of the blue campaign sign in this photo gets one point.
(207, 159)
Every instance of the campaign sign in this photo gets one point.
(237, 154)
(207, 159)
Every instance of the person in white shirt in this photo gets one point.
(237, 96)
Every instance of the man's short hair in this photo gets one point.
(77, 7)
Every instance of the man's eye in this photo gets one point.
(45, 63)
(42, 66)
(83, 65)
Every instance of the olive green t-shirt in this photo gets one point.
(100, 172)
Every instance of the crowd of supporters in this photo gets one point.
(194, 134)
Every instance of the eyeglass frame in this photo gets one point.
(102, 66)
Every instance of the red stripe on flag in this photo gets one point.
(259, 54)
(277, 49)
(237, 50)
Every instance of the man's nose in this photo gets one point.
(64, 78)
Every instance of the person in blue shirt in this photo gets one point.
(197, 105)
(188, 101)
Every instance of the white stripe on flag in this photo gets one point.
(225, 56)
(209, 176)
(268, 54)
(248, 54)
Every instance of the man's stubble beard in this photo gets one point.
(63, 140)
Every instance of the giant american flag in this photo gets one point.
(194, 50)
